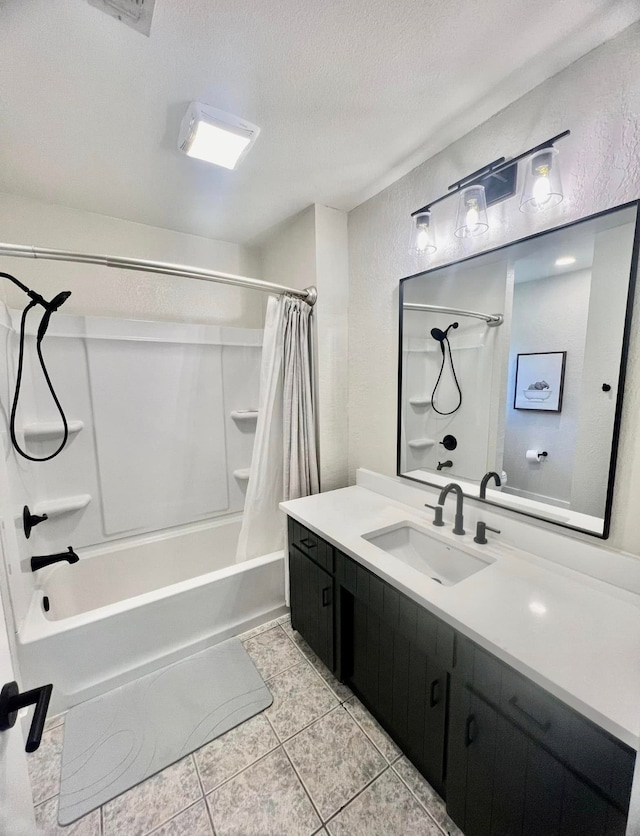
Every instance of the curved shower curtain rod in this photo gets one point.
(492, 320)
(309, 295)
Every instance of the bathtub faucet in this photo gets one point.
(39, 562)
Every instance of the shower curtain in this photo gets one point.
(284, 464)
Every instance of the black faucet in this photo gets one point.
(39, 562)
(452, 486)
(441, 465)
(485, 479)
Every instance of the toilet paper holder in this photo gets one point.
(536, 455)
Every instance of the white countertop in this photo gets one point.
(577, 637)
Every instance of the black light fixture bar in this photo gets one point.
(491, 170)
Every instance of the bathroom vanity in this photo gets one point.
(512, 689)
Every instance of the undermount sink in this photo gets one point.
(442, 562)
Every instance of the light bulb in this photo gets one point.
(542, 187)
(473, 216)
(422, 234)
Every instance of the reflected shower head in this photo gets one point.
(441, 336)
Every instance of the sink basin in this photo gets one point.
(442, 562)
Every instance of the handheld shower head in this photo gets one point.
(440, 336)
(50, 307)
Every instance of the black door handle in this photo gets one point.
(308, 543)
(11, 701)
(434, 694)
(326, 600)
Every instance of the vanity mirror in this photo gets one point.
(513, 361)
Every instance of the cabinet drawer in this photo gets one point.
(311, 545)
(569, 736)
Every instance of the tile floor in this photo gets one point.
(315, 762)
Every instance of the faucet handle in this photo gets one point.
(481, 532)
(437, 519)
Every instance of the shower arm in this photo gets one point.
(492, 320)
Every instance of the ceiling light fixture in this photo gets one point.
(214, 136)
(565, 260)
(491, 184)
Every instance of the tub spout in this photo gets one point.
(40, 561)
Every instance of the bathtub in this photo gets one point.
(127, 609)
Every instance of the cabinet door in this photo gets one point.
(312, 605)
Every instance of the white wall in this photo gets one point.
(598, 98)
(549, 314)
(104, 291)
(311, 249)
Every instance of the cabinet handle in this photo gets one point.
(434, 697)
(471, 721)
(11, 701)
(308, 543)
(326, 600)
(545, 726)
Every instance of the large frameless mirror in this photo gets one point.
(513, 362)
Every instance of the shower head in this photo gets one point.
(50, 307)
(441, 336)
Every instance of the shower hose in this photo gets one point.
(446, 351)
(49, 307)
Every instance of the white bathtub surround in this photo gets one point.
(137, 606)
(284, 464)
(577, 637)
(117, 740)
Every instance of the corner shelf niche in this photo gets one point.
(244, 414)
(64, 505)
(421, 443)
(43, 430)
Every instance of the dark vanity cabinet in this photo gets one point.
(508, 757)
(522, 763)
(312, 590)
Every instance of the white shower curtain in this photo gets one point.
(284, 464)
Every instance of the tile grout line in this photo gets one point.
(415, 795)
(244, 768)
(305, 790)
(351, 800)
(368, 736)
(204, 795)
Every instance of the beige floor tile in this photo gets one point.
(385, 807)
(47, 822)
(44, 765)
(426, 795)
(153, 802)
(372, 729)
(272, 652)
(225, 756)
(194, 821)
(335, 760)
(299, 697)
(266, 799)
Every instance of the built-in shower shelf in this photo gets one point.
(242, 475)
(244, 414)
(421, 443)
(50, 429)
(64, 505)
(425, 400)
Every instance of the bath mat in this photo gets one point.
(115, 741)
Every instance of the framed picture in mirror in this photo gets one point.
(539, 381)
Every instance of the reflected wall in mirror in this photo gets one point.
(513, 361)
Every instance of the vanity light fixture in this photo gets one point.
(491, 184)
(214, 136)
(565, 261)
(423, 238)
(472, 212)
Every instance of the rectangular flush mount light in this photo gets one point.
(214, 136)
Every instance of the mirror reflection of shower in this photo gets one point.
(445, 347)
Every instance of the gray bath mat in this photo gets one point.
(115, 741)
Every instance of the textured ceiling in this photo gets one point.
(349, 95)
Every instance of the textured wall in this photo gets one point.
(598, 98)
